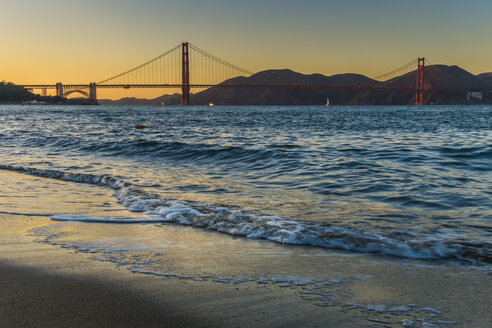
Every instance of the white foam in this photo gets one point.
(407, 323)
(402, 308)
(273, 228)
(177, 207)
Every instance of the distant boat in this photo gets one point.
(162, 104)
(211, 104)
(327, 102)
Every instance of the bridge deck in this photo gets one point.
(243, 86)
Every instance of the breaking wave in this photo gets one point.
(237, 222)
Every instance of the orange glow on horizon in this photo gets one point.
(63, 41)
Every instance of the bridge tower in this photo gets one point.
(419, 94)
(185, 87)
(59, 89)
(93, 93)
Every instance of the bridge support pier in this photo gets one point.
(59, 90)
(185, 86)
(419, 95)
(93, 93)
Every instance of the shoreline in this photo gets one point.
(64, 274)
(47, 286)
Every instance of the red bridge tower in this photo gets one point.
(185, 87)
(419, 94)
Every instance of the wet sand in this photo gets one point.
(43, 284)
(46, 286)
(32, 298)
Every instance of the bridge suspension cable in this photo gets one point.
(411, 66)
(166, 69)
(404, 77)
(230, 66)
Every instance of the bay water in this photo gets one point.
(277, 189)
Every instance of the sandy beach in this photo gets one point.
(49, 278)
(32, 298)
(44, 286)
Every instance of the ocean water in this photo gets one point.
(381, 214)
(404, 182)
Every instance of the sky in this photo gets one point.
(69, 41)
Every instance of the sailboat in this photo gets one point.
(327, 102)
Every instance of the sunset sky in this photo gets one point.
(81, 41)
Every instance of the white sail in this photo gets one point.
(327, 102)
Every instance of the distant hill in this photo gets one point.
(442, 77)
(164, 99)
(271, 96)
(487, 78)
(453, 79)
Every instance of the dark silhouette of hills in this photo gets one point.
(13, 94)
(487, 78)
(273, 96)
(451, 84)
(453, 79)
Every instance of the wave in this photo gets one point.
(175, 150)
(238, 222)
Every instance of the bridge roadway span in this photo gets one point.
(242, 86)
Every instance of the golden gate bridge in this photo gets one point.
(186, 66)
